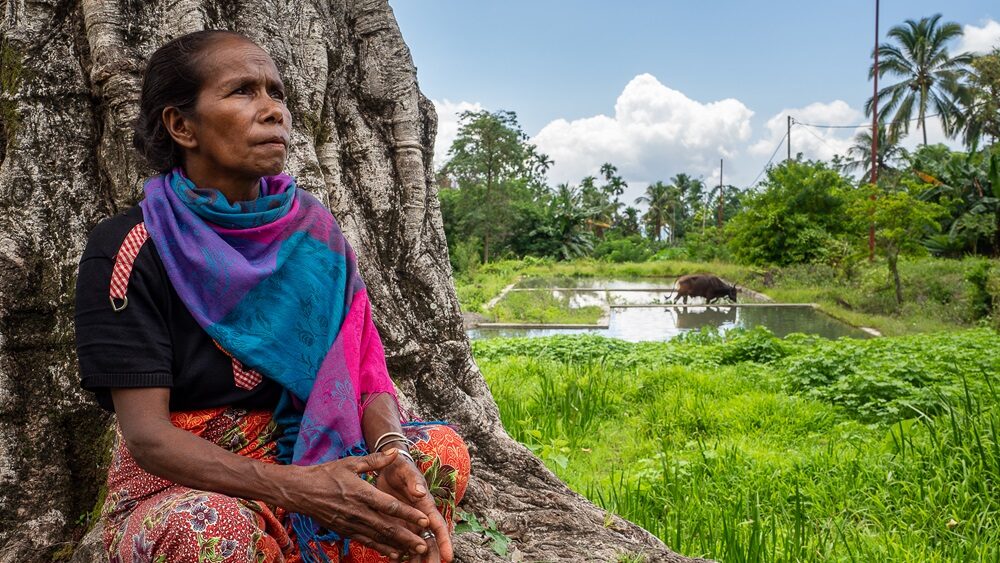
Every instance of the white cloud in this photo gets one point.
(980, 39)
(448, 113)
(817, 143)
(655, 132)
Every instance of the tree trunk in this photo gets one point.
(362, 141)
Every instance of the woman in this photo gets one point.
(224, 322)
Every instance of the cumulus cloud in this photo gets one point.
(980, 39)
(816, 143)
(448, 113)
(655, 132)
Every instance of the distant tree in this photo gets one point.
(859, 155)
(493, 166)
(793, 215)
(930, 76)
(629, 224)
(657, 200)
(901, 222)
(980, 112)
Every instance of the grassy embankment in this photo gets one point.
(938, 294)
(760, 449)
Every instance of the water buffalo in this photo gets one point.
(703, 285)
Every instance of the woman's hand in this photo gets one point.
(341, 501)
(403, 480)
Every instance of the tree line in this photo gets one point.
(497, 203)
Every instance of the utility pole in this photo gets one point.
(871, 226)
(720, 196)
(788, 137)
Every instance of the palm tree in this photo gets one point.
(859, 155)
(657, 198)
(980, 103)
(930, 77)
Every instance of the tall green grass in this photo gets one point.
(723, 448)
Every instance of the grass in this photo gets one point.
(937, 293)
(750, 448)
(542, 307)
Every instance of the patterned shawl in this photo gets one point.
(276, 284)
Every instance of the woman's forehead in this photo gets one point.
(234, 58)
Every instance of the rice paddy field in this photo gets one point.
(745, 447)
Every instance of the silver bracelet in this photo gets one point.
(379, 443)
(406, 454)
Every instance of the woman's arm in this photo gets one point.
(330, 492)
(401, 478)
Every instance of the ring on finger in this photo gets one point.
(427, 534)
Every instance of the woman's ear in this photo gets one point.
(179, 128)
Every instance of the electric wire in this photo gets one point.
(781, 142)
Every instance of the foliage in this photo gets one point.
(492, 168)
(625, 249)
(796, 212)
(930, 78)
(774, 461)
(900, 222)
(542, 307)
(980, 114)
(469, 523)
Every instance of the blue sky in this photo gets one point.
(564, 65)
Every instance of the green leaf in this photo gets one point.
(501, 542)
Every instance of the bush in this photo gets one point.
(756, 345)
(626, 249)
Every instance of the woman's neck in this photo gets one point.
(235, 189)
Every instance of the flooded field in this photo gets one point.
(641, 310)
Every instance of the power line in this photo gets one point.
(752, 184)
(808, 128)
(869, 125)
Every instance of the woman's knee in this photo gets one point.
(441, 444)
(202, 525)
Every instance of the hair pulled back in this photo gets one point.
(172, 78)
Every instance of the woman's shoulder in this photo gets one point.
(107, 236)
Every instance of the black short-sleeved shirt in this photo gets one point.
(154, 341)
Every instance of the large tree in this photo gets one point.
(362, 142)
(494, 169)
(930, 78)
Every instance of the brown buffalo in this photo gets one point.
(703, 285)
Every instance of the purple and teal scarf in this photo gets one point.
(276, 284)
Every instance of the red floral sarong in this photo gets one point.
(149, 519)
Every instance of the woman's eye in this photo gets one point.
(242, 90)
(277, 94)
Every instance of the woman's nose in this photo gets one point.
(273, 111)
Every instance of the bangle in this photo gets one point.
(395, 435)
(405, 454)
(393, 441)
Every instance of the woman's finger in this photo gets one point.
(438, 526)
(371, 462)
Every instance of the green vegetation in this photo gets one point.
(542, 307)
(751, 448)
(937, 294)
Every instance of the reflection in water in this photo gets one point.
(664, 323)
(693, 318)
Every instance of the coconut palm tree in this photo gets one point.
(859, 155)
(930, 77)
(657, 198)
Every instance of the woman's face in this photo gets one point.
(241, 125)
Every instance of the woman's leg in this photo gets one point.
(181, 525)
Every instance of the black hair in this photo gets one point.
(171, 79)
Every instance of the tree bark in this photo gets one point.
(362, 141)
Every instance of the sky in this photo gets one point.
(663, 87)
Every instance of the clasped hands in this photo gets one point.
(389, 516)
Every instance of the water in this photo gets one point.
(664, 323)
